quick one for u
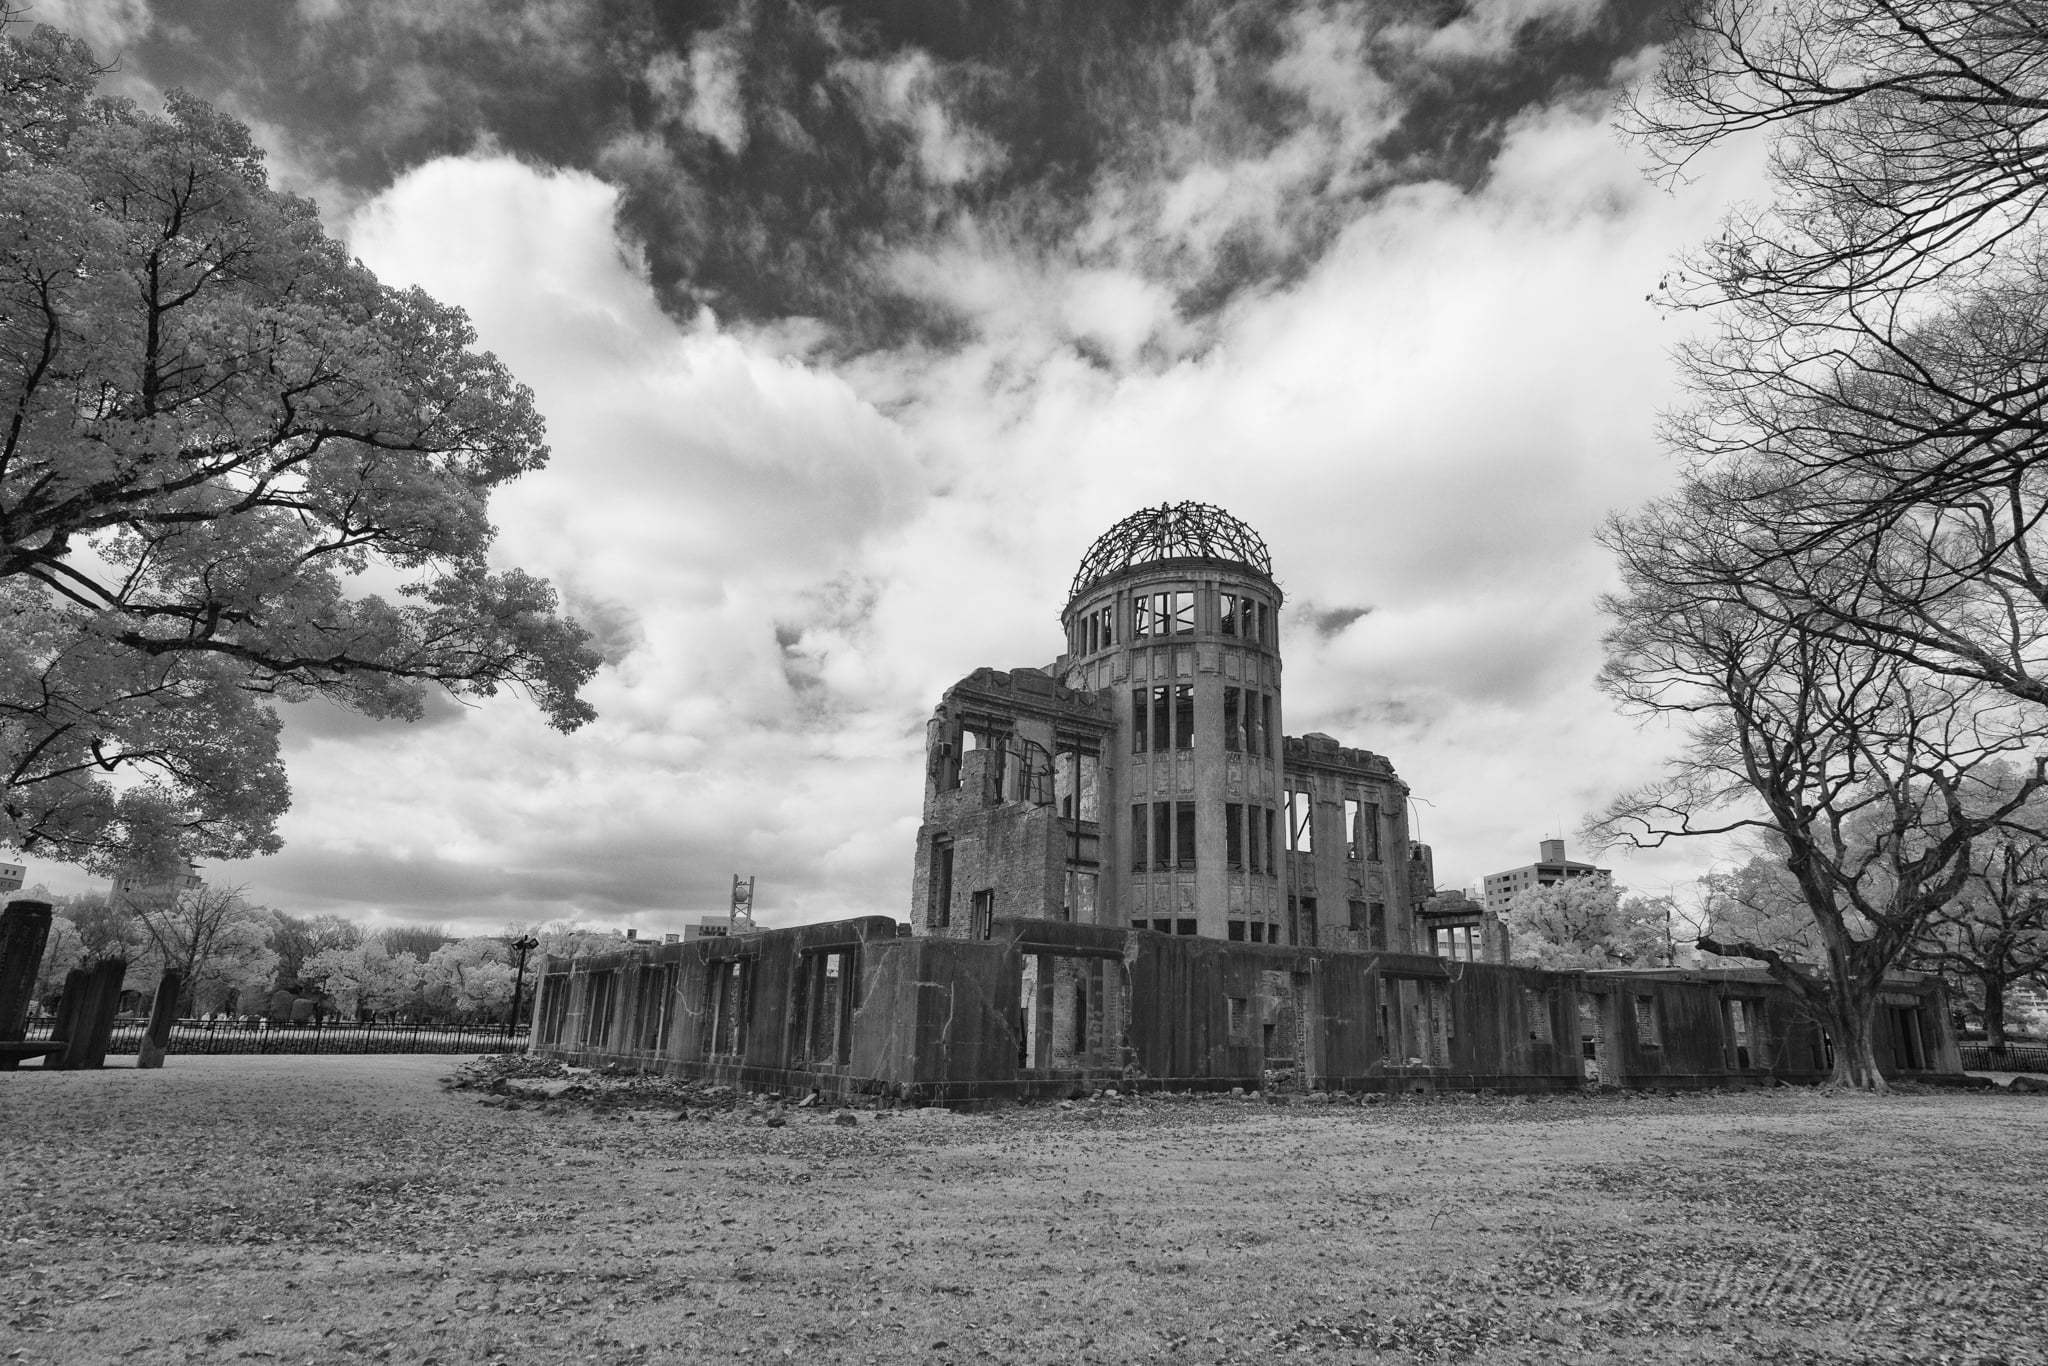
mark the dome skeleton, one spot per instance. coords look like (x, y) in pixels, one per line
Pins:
(1171, 531)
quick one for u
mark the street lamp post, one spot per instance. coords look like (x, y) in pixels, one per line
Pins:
(523, 945)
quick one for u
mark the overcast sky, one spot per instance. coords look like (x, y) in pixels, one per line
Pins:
(853, 327)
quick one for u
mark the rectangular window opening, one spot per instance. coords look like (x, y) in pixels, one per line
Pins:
(1081, 1016)
(1076, 784)
(1354, 829)
(1233, 724)
(1162, 835)
(942, 884)
(1301, 835)
(1233, 836)
(1183, 716)
(1184, 834)
(1187, 927)
(1080, 905)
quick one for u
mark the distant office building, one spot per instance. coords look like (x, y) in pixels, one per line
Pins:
(1550, 867)
(709, 927)
(11, 876)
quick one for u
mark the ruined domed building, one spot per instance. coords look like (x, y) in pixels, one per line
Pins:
(1128, 873)
(1144, 779)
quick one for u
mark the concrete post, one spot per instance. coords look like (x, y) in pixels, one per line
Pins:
(163, 1013)
(85, 1017)
(24, 930)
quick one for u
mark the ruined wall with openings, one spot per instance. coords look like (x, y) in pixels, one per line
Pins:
(1042, 1006)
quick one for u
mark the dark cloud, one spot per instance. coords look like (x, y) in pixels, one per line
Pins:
(1329, 623)
(777, 158)
(614, 626)
(319, 719)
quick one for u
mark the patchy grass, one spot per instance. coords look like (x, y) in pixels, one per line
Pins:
(352, 1210)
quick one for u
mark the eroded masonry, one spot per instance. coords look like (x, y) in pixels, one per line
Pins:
(1128, 872)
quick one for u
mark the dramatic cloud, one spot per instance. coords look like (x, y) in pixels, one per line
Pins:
(853, 332)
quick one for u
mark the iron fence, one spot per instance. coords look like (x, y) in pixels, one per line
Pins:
(1979, 1057)
(260, 1036)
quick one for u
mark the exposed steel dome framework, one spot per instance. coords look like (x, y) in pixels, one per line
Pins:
(1171, 531)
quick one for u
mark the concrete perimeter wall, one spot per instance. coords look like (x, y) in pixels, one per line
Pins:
(858, 1007)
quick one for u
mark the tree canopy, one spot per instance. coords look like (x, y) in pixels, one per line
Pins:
(1585, 922)
(219, 435)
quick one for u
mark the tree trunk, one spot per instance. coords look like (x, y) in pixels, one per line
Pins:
(1994, 1011)
(1855, 1025)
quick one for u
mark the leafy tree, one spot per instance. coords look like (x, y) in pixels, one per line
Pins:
(568, 938)
(470, 977)
(1583, 922)
(294, 939)
(213, 424)
(418, 941)
(366, 980)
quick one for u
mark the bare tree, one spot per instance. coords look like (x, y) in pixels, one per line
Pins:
(212, 938)
(1871, 770)
(1994, 933)
(1866, 419)
(1905, 137)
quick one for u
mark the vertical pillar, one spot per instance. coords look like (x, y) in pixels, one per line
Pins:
(85, 1017)
(24, 930)
(163, 1013)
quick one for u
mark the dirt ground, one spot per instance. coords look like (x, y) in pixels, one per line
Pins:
(332, 1209)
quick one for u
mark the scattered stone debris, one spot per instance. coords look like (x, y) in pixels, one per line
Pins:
(508, 1079)
(515, 1082)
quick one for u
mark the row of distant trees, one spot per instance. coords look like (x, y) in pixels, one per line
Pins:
(234, 956)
